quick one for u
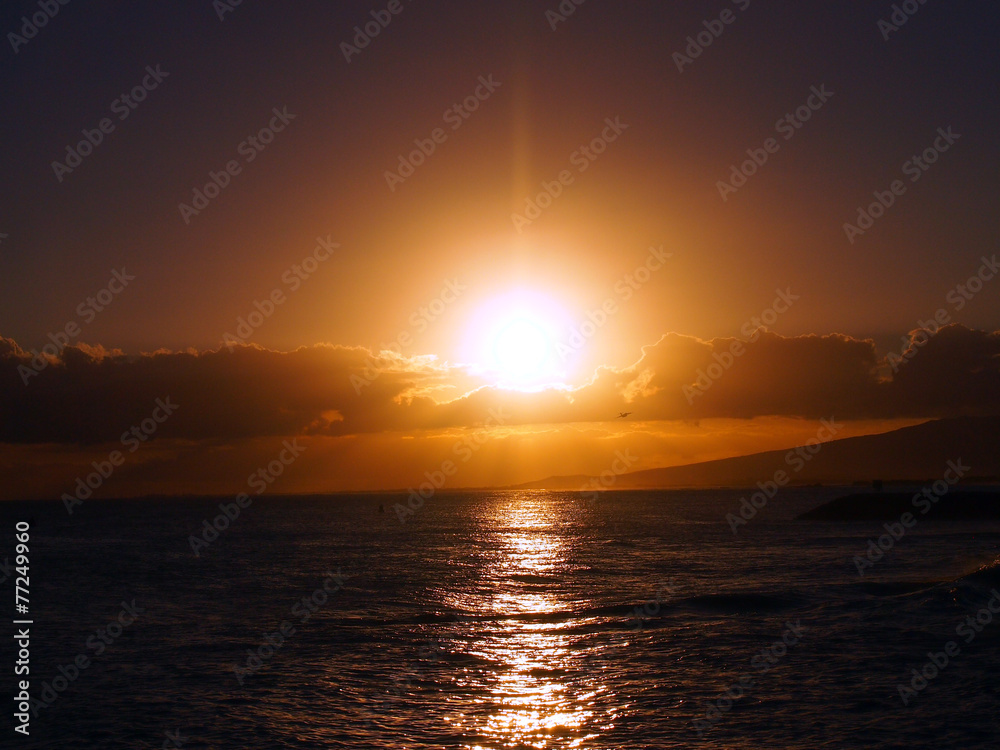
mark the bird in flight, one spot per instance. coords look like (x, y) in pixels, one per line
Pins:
(623, 414)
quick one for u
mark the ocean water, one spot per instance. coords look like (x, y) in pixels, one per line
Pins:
(502, 620)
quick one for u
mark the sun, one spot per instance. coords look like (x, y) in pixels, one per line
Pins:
(521, 349)
(515, 340)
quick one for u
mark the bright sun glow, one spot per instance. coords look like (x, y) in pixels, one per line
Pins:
(522, 348)
(515, 340)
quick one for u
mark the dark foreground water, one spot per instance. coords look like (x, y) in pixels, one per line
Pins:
(502, 620)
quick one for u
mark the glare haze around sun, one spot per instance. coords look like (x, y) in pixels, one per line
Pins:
(513, 339)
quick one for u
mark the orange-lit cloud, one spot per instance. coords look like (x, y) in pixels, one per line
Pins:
(91, 395)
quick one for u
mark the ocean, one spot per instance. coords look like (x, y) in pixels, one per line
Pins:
(510, 619)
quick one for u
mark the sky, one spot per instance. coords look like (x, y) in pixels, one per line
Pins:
(495, 226)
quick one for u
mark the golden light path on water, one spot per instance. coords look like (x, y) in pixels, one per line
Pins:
(542, 694)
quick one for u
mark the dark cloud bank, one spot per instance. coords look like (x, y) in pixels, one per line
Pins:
(89, 395)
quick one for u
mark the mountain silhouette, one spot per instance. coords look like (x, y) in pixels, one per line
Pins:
(913, 454)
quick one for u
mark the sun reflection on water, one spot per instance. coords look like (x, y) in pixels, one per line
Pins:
(536, 702)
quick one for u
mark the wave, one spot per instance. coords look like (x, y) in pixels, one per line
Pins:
(986, 576)
(625, 613)
(738, 603)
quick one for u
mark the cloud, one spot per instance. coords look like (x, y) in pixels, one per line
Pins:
(90, 395)
(955, 372)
